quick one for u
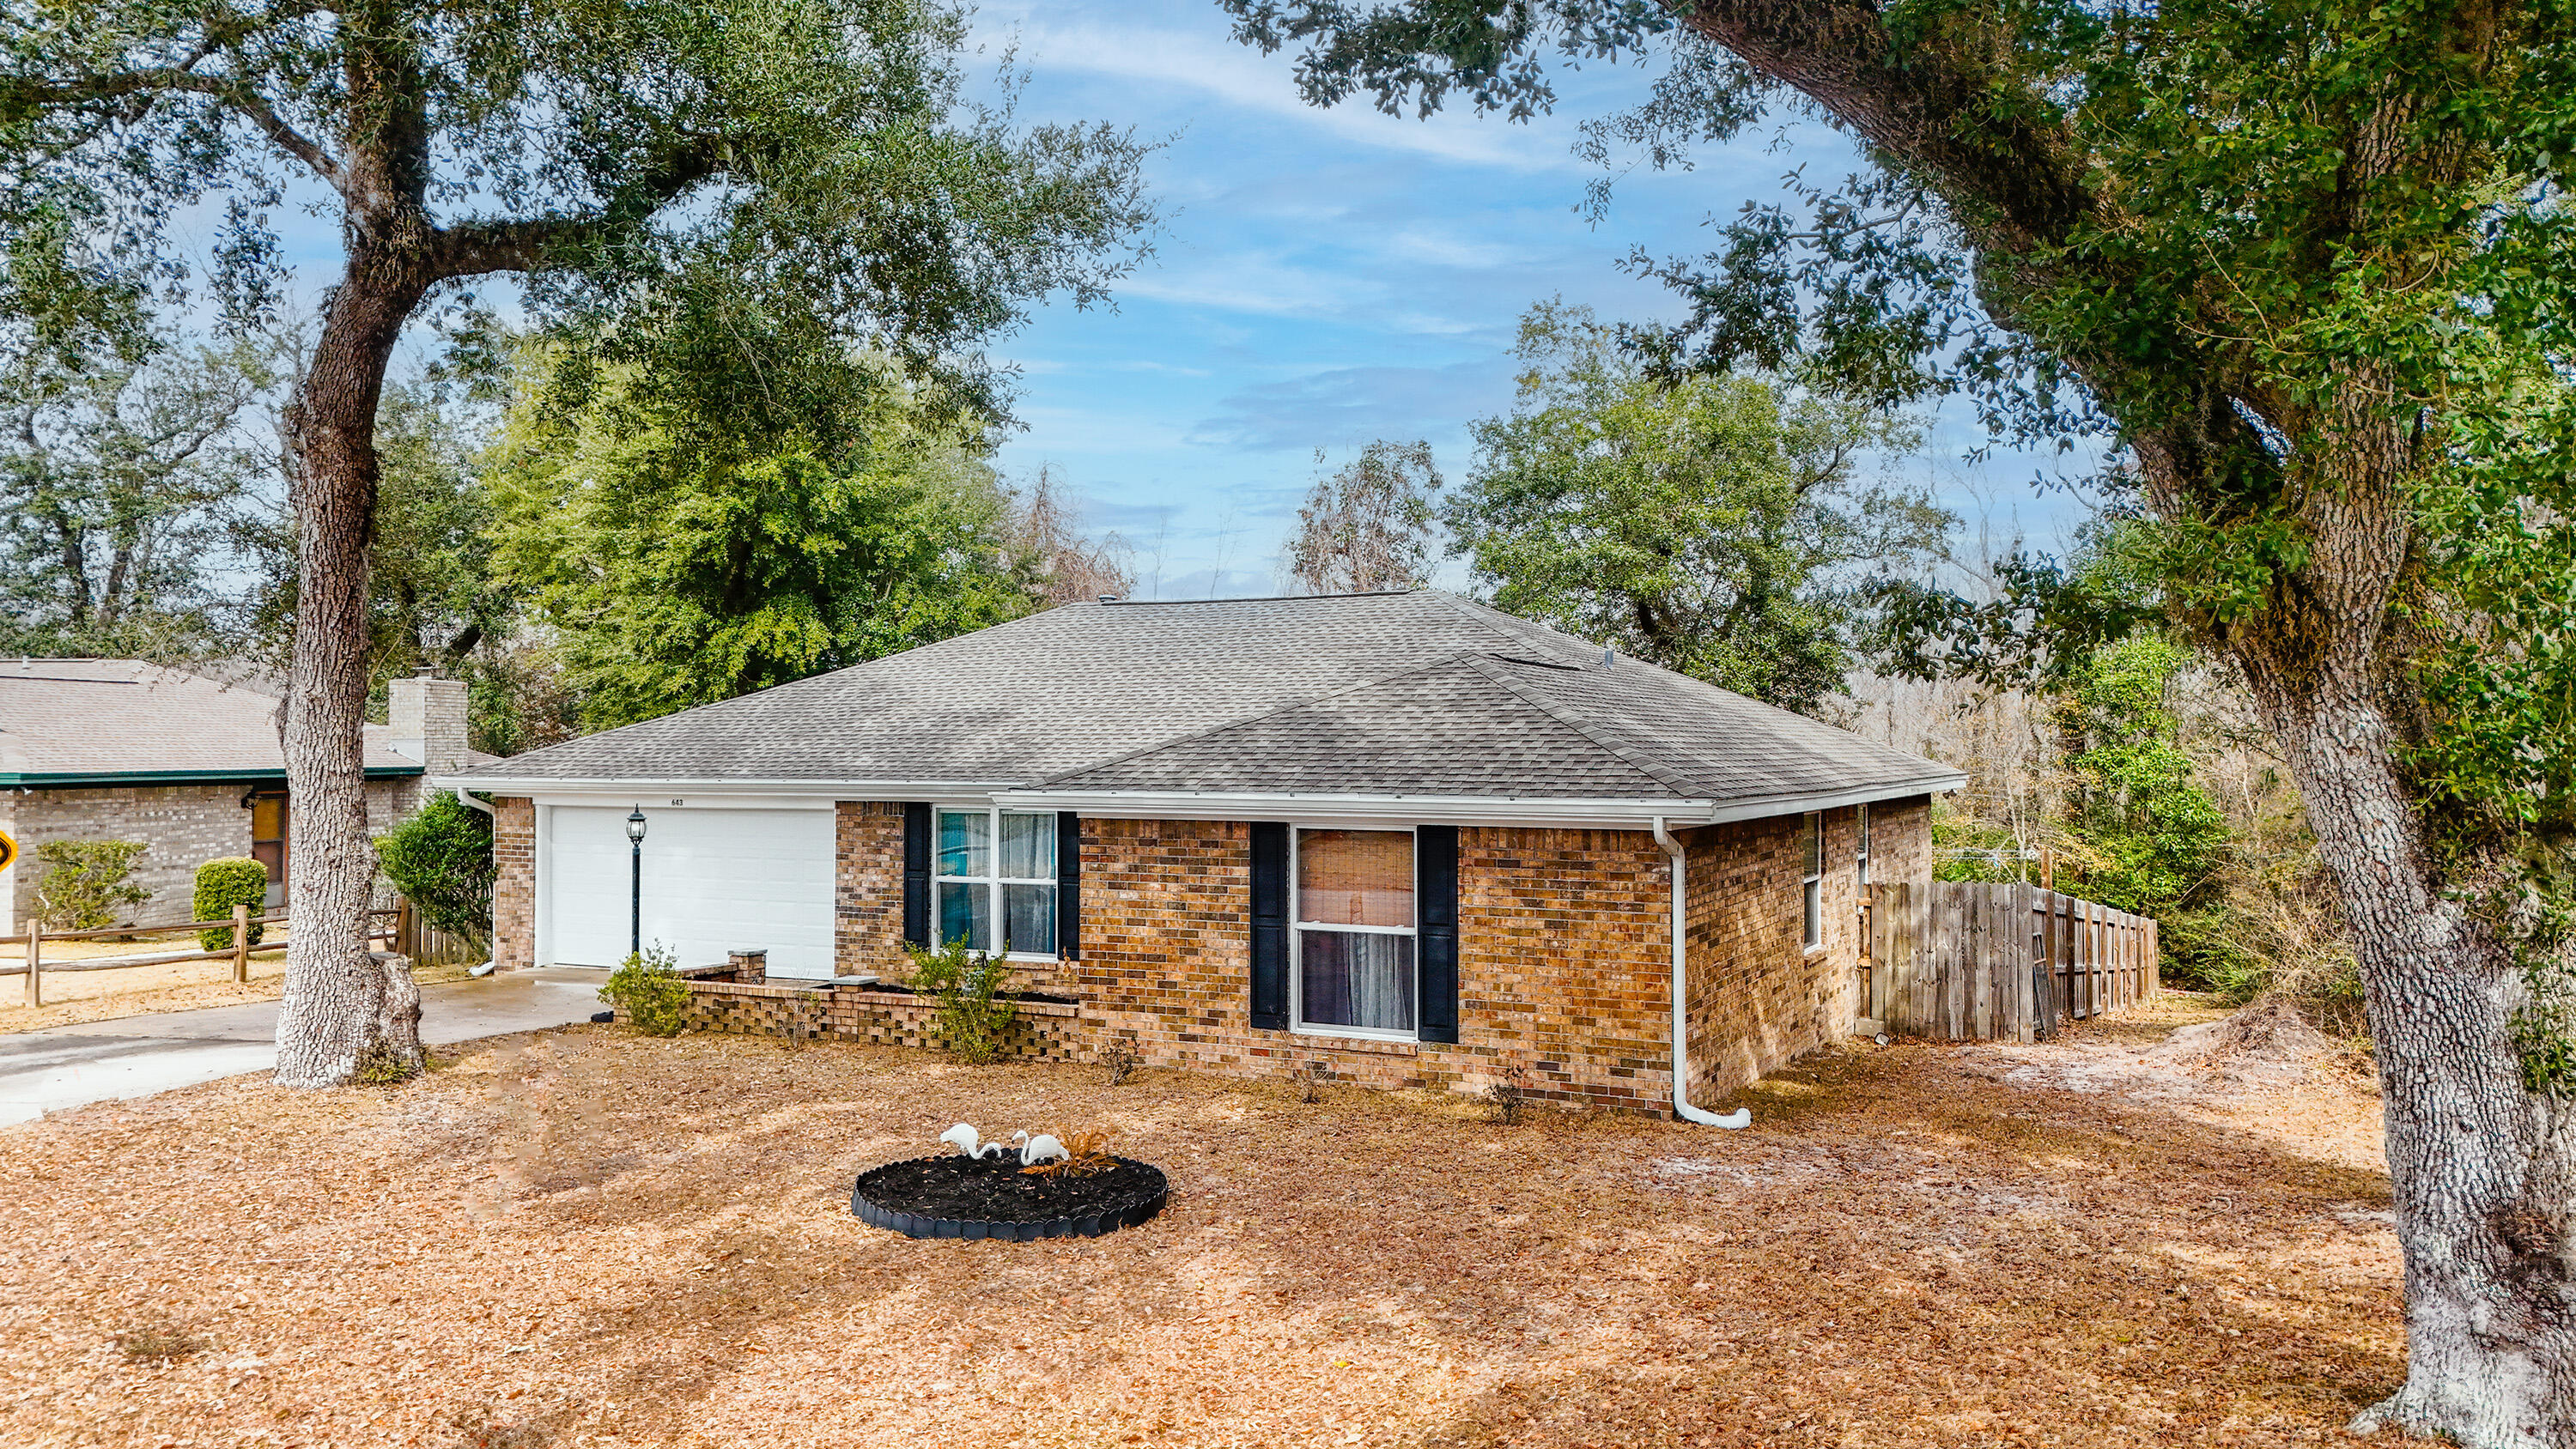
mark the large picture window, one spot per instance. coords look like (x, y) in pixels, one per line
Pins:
(1354, 932)
(997, 865)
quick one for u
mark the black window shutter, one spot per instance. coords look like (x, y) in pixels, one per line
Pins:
(1435, 902)
(916, 876)
(1068, 885)
(1269, 926)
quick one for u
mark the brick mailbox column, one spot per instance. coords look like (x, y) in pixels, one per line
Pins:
(750, 968)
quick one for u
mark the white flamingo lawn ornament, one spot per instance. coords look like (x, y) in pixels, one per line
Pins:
(963, 1134)
(1041, 1148)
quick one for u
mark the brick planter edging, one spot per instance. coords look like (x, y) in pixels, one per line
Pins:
(1039, 1030)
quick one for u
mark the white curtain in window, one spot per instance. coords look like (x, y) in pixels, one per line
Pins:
(1355, 978)
(1028, 847)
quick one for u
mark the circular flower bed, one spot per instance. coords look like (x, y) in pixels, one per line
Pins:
(969, 1197)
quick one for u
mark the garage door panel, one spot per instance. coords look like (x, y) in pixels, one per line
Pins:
(713, 881)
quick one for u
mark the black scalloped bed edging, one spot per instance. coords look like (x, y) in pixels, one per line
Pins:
(1109, 1219)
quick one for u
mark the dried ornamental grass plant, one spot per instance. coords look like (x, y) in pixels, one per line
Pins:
(1085, 1154)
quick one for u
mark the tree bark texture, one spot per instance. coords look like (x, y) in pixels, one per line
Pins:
(342, 1006)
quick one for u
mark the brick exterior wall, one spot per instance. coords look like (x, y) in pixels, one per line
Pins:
(1564, 964)
(514, 886)
(1758, 998)
(1039, 1030)
(867, 906)
(184, 825)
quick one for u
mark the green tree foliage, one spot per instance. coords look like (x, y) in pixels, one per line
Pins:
(1711, 524)
(2146, 835)
(679, 559)
(122, 461)
(223, 883)
(85, 885)
(440, 858)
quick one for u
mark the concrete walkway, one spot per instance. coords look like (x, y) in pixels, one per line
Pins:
(71, 1066)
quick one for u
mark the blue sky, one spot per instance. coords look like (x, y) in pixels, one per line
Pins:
(1325, 277)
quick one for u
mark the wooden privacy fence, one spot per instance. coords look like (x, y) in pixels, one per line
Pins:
(1984, 961)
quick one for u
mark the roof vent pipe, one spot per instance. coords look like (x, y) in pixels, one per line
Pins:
(1606, 656)
(1741, 1117)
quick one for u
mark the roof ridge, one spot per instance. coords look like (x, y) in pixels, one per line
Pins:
(1587, 727)
(1474, 612)
(1291, 707)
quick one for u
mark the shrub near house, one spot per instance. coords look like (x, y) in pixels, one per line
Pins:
(222, 884)
(84, 886)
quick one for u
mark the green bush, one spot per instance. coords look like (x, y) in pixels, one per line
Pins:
(85, 882)
(650, 991)
(223, 883)
(966, 1008)
(441, 860)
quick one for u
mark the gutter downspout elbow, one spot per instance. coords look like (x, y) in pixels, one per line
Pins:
(477, 804)
(1741, 1117)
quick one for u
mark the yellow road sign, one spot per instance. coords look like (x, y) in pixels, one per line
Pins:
(8, 850)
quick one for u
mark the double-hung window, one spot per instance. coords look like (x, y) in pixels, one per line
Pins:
(997, 865)
(1811, 888)
(1354, 932)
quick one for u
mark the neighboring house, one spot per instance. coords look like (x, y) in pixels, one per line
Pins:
(1402, 834)
(116, 749)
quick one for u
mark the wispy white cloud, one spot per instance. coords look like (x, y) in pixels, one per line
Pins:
(1244, 78)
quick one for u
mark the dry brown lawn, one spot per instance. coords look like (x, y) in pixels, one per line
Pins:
(583, 1238)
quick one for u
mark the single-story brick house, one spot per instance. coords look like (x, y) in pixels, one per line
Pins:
(1402, 834)
(117, 749)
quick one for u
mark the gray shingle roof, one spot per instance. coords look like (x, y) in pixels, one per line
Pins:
(123, 717)
(1419, 693)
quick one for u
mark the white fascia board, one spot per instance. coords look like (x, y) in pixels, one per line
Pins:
(1567, 813)
(648, 788)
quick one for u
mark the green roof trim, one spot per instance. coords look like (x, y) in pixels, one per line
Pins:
(43, 779)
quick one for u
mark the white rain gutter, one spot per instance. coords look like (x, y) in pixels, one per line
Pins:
(477, 804)
(1741, 1117)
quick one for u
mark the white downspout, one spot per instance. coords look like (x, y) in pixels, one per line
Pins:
(477, 804)
(1742, 1116)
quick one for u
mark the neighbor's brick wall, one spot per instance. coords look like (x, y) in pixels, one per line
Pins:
(184, 825)
(1758, 998)
(514, 887)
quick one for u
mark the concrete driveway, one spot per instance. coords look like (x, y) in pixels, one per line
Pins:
(70, 1066)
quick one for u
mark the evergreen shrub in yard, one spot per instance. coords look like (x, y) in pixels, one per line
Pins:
(223, 883)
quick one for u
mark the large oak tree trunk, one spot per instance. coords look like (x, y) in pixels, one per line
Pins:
(2482, 1169)
(343, 1006)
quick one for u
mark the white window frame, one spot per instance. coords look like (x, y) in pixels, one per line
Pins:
(1297, 929)
(1861, 823)
(1811, 883)
(994, 882)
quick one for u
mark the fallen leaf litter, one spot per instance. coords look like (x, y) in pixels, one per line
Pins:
(584, 1238)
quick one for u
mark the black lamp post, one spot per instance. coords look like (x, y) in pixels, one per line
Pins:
(635, 835)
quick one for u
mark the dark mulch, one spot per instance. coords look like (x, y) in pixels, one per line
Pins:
(995, 1190)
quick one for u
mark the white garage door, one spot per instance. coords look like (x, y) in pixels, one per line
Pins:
(714, 881)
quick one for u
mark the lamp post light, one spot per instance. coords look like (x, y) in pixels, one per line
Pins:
(635, 876)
